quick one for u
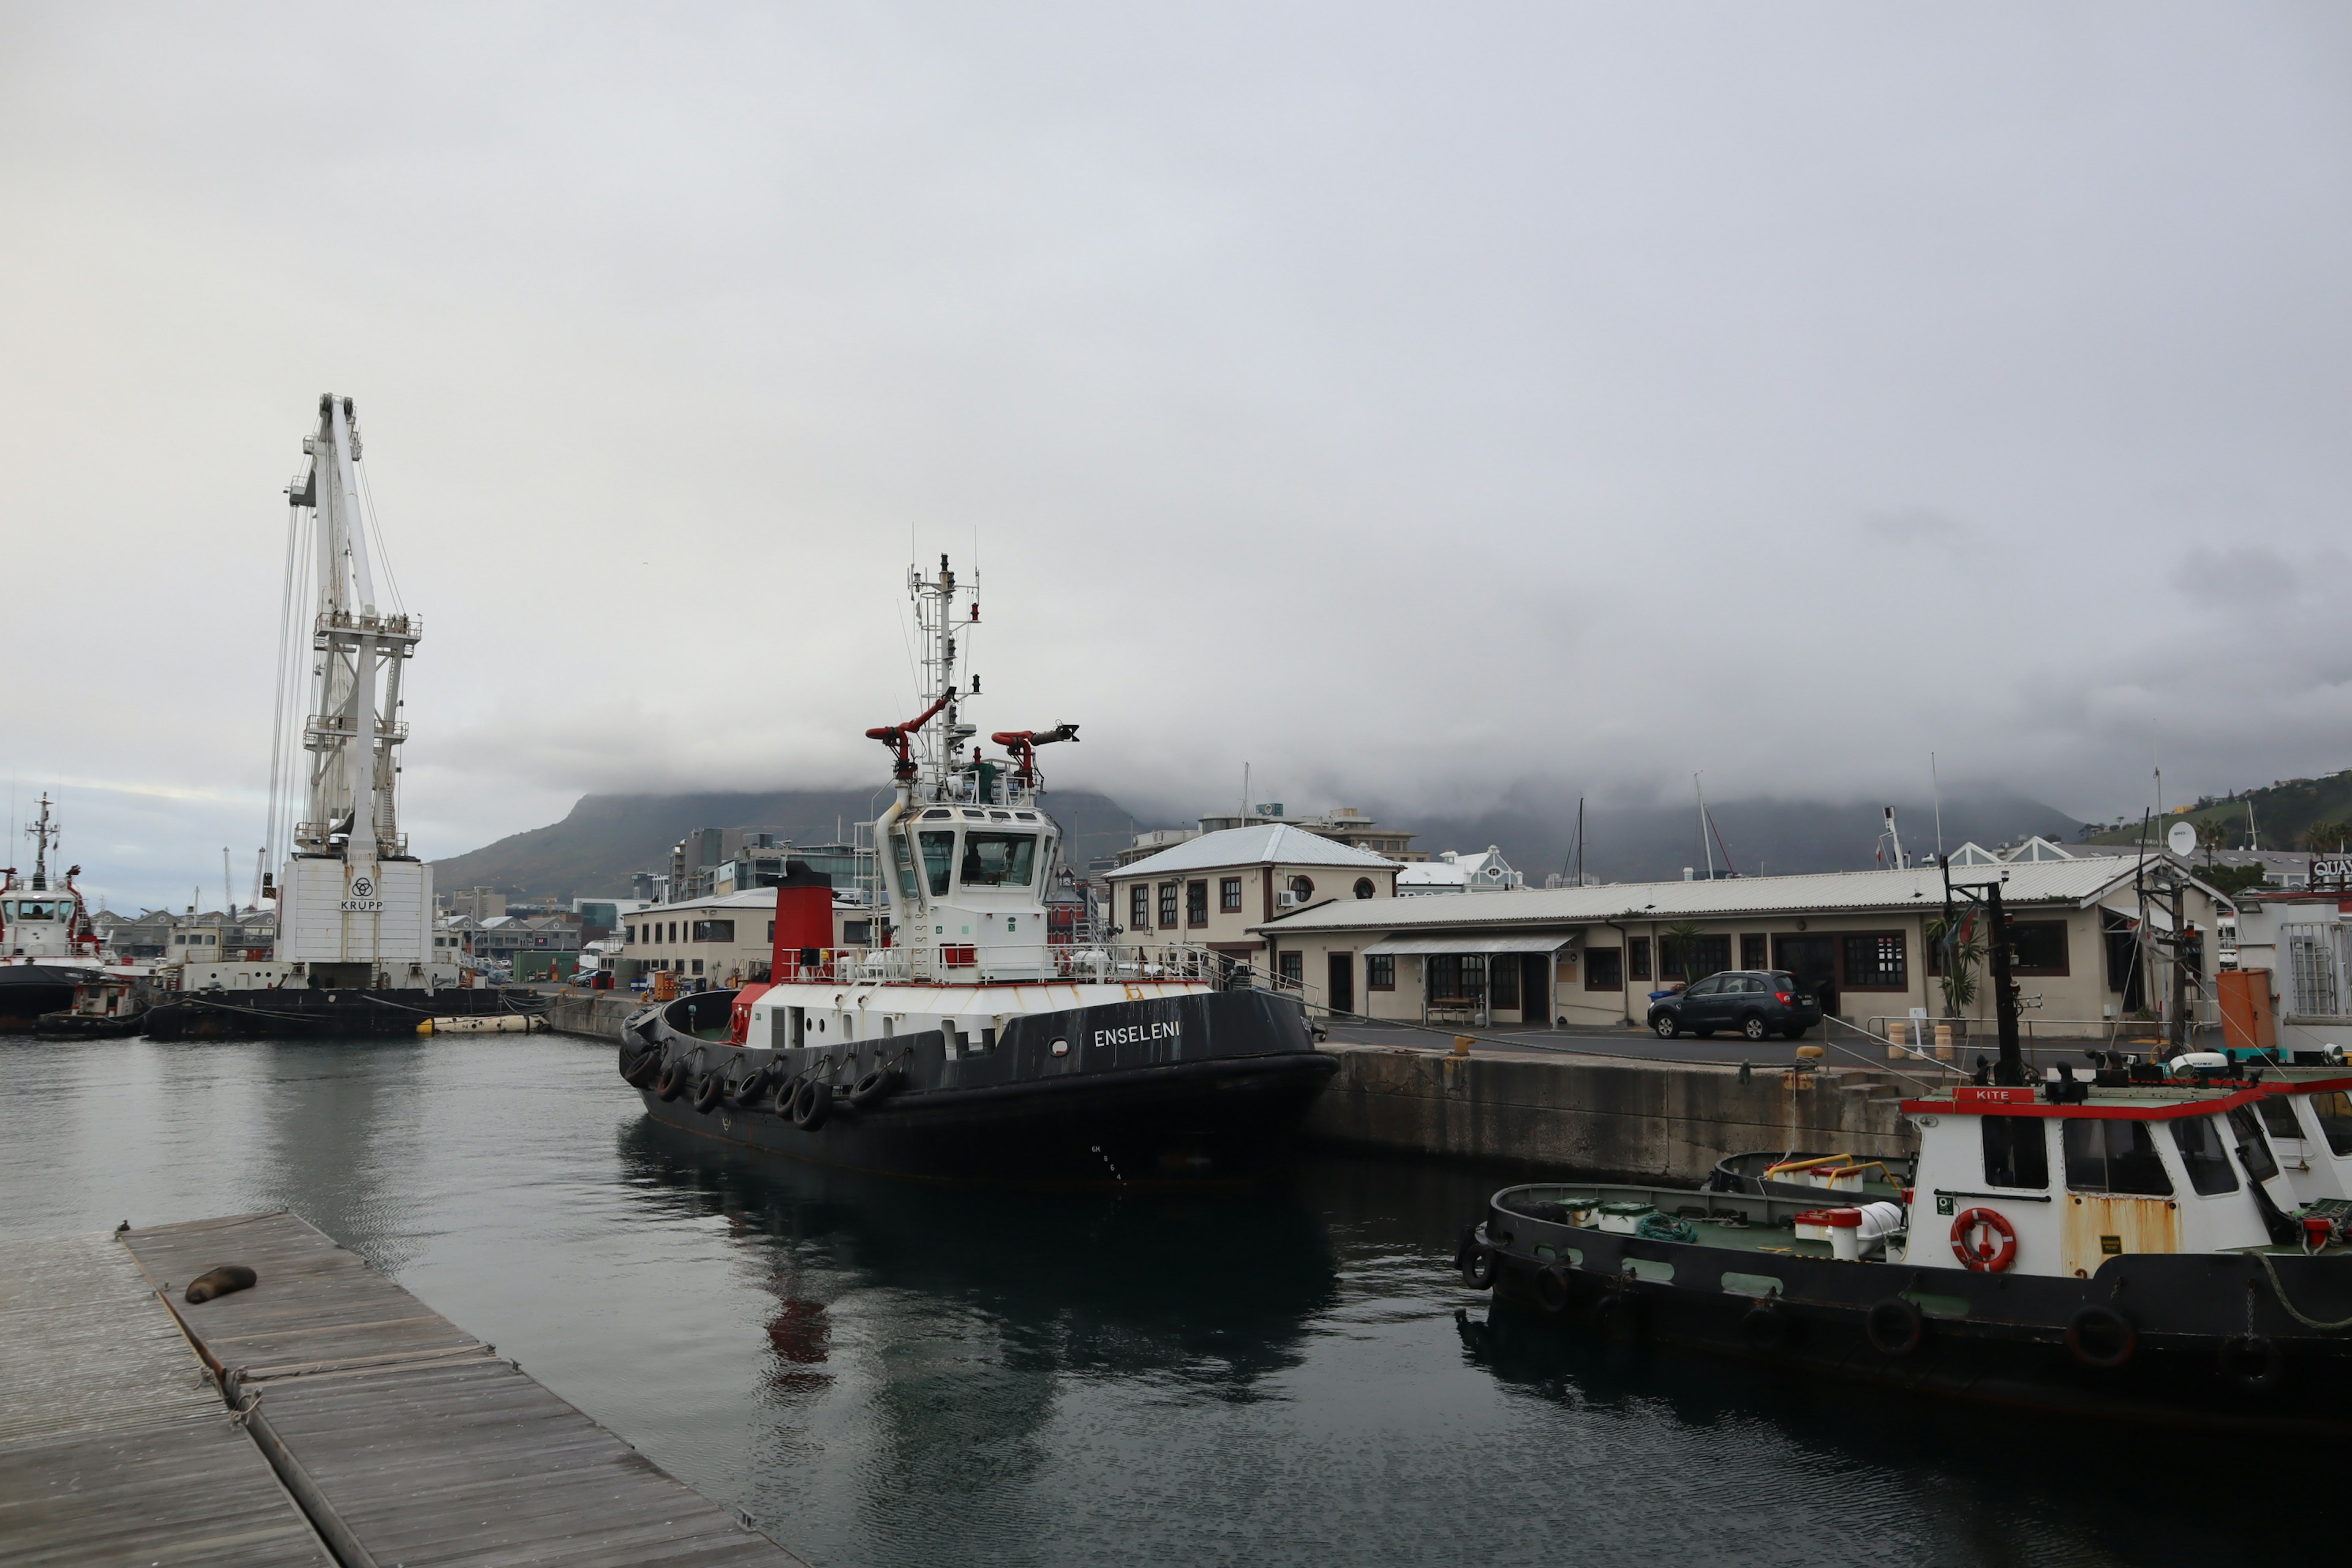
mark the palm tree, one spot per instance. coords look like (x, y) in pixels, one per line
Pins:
(2330, 837)
(1962, 949)
(2211, 836)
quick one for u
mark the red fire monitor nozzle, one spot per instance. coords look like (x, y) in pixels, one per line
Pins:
(899, 738)
(1023, 744)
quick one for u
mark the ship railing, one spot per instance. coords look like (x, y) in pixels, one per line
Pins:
(358, 623)
(961, 963)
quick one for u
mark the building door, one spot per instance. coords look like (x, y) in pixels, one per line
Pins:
(1341, 994)
(1813, 961)
(1535, 988)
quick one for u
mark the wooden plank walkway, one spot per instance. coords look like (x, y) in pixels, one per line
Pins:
(114, 1447)
(420, 1446)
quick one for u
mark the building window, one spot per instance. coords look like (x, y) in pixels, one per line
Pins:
(2037, 947)
(1873, 961)
(1302, 889)
(1637, 950)
(1754, 952)
(1196, 903)
(1139, 907)
(1364, 887)
(771, 934)
(1229, 895)
(714, 931)
(698, 966)
(1167, 905)
(1292, 967)
(1458, 976)
(1380, 972)
(1605, 969)
(1693, 958)
(673, 930)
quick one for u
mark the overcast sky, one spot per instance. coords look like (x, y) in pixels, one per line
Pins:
(1410, 402)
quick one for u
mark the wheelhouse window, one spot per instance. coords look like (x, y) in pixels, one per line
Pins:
(999, 859)
(1196, 903)
(1167, 904)
(905, 857)
(1380, 972)
(1605, 969)
(2037, 947)
(2111, 1155)
(1229, 895)
(1637, 956)
(713, 931)
(1138, 905)
(2253, 1148)
(2278, 1116)
(939, 859)
(2016, 1153)
(1874, 962)
(2203, 1156)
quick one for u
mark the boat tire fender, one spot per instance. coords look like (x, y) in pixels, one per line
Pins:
(786, 1092)
(1551, 1288)
(1765, 1329)
(751, 1086)
(1895, 1327)
(2101, 1337)
(672, 1082)
(874, 1087)
(2252, 1362)
(642, 1069)
(707, 1089)
(1483, 1267)
(1968, 1244)
(812, 1105)
(1618, 1316)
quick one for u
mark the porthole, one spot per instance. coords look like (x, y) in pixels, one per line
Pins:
(1302, 889)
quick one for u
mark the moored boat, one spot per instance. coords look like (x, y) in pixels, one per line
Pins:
(50, 954)
(973, 1043)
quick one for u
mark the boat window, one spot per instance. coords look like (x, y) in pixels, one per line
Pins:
(2200, 1151)
(2333, 1109)
(937, 811)
(33, 910)
(2016, 1152)
(905, 858)
(999, 859)
(2278, 1116)
(939, 858)
(2111, 1155)
(2253, 1148)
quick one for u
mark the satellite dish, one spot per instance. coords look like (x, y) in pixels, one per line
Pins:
(2182, 839)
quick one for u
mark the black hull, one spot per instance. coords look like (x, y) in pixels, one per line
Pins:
(2210, 1341)
(87, 1025)
(29, 990)
(320, 1015)
(1218, 1104)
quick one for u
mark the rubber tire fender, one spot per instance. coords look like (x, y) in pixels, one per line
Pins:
(751, 1086)
(1764, 1328)
(875, 1085)
(812, 1105)
(2094, 1325)
(1483, 1267)
(707, 1089)
(1552, 1292)
(1895, 1327)
(2253, 1362)
(643, 1070)
(672, 1082)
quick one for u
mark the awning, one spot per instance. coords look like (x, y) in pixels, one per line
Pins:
(1403, 946)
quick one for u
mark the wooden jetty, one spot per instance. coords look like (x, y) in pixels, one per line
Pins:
(114, 1446)
(402, 1439)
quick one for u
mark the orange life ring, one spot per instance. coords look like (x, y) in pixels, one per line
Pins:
(1976, 1253)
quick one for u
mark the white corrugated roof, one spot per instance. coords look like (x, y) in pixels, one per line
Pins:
(2078, 881)
(1267, 844)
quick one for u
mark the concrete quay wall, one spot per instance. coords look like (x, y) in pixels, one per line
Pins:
(1539, 1112)
(1600, 1117)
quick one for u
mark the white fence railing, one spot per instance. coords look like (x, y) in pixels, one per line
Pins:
(954, 963)
(2317, 958)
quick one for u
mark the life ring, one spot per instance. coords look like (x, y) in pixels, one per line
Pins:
(1895, 1327)
(2101, 1337)
(2252, 1362)
(812, 1105)
(672, 1082)
(1973, 1252)
(1551, 1288)
(1479, 1272)
(707, 1090)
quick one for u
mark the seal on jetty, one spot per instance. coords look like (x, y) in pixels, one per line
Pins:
(219, 1281)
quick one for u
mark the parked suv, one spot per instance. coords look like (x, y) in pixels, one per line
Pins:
(1758, 1002)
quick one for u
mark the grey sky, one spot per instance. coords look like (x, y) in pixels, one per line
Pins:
(1408, 402)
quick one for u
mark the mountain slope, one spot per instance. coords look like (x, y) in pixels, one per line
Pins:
(2282, 814)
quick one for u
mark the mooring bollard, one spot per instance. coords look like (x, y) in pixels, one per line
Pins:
(1462, 1044)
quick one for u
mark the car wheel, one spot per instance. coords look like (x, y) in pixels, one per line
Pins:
(1667, 1025)
(1754, 1026)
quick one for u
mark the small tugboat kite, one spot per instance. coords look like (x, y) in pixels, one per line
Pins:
(969, 1044)
(2128, 1242)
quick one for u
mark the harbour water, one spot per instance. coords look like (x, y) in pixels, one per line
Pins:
(886, 1373)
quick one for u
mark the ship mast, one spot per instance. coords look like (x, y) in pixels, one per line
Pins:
(941, 749)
